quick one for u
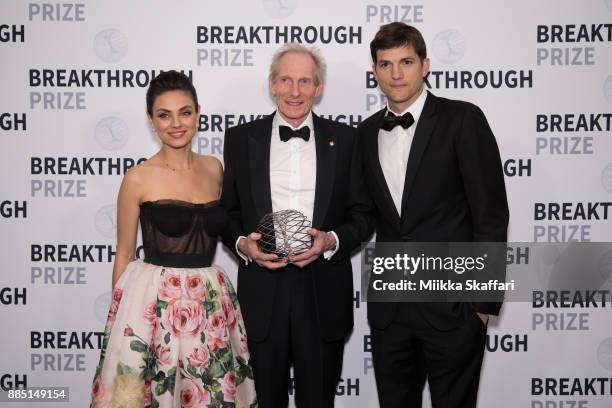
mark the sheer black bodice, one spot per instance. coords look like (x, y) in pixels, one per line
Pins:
(180, 234)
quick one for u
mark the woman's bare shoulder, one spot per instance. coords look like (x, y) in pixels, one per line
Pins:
(211, 164)
(139, 175)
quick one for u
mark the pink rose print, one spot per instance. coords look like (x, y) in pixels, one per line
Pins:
(183, 317)
(150, 313)
(221, 279)
(228, 386)
(193, 395)
(195, 288)
(217, 331)
(117, 294)
(164, 355)
(154, 333)
(244, 347)
(98, 394)
(238, 315)
(170, 287)
(112, 312)
(148, 393)
(199, 356)
(150, 316)
(127, 332)
(228, 309)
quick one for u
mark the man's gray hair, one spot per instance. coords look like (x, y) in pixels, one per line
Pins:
(320, 67)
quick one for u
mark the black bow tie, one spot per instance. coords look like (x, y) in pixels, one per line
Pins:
(287, 133)
(390, 121)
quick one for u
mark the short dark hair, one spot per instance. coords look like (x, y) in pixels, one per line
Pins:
(397, 34)
(169, 81)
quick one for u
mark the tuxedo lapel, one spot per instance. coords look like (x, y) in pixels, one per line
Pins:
(258, 144)
(326, 169)
(420, 141)
(371, 145)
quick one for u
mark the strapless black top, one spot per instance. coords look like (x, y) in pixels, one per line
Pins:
(181, 234)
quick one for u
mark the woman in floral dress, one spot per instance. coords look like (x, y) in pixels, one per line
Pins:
(174, 335)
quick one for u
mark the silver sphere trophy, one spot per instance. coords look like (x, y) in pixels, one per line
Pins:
(284, 233)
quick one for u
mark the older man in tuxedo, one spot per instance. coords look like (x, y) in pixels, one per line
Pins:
(434, 171)
(297, 313)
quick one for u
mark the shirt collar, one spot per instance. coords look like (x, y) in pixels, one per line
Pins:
(415, 109)
(280, 121)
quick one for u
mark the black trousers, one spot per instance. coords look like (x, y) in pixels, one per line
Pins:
(295, 339)
(409, 351)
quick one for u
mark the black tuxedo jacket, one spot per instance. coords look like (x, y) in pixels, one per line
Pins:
(341, 204)
(454, 192)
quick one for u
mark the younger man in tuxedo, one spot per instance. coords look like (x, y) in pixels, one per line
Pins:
(434, 171)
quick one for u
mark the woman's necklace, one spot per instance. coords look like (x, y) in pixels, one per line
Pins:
(169, 167)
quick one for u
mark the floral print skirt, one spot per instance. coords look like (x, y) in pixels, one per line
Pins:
(174, 337)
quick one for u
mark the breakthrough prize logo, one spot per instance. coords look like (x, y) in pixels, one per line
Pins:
(110, 45)
(604, 353)
(106, 221)
(449, 46)
(111, 133)
(279, 8)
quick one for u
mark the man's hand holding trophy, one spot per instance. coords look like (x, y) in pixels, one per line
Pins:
(284, 237)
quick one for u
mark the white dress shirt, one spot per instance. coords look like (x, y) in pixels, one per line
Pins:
(394, 150)
(293, 169)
